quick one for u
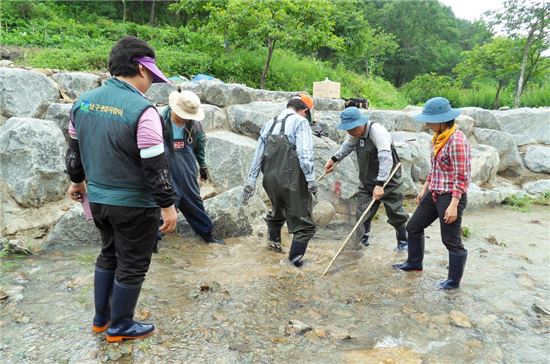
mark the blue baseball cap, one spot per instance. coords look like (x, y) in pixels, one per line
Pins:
(351, 118)
(437, 110)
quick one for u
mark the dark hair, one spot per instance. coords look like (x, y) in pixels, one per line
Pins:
(449, 123)
(121, 59)
(296, 104)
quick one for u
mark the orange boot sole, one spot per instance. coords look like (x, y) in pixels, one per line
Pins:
(98, 329)
(116, 339)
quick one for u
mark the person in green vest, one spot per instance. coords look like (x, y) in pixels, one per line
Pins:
(185, 143)
(376, 157)
(116, 158)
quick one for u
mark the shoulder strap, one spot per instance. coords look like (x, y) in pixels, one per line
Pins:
(272, 126)
(369, 126)
(282, 132)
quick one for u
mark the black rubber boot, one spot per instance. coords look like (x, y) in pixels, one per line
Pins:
(211, 240)
(416, 255)
(365, 238)
(103, 288)
(401, 235)
(457, 261)
(297, 251)
(274, 242)
(123, 305)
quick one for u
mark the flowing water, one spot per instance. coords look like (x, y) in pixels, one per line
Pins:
(233, 303)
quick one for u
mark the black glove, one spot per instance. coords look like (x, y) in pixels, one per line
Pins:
(203, 171)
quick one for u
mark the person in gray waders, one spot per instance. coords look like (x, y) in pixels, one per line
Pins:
(285, 156)
(377, 158)
(184, 142)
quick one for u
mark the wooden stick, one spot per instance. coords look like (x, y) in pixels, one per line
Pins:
(325, 173)
(360, 220)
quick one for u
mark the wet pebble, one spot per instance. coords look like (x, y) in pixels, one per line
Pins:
(541, 307)
(460, 319)
(21, 318)
(296, 327)
(383, 355)
(3, 295)
(113, 353)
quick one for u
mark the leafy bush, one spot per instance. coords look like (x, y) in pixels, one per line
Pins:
(536, 96)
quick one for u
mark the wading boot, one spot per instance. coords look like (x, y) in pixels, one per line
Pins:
(123, 326)
(274, 242)
(211, 240)
(415, 257)
(457, 261)
(103, 288)
(401, 235)
(297, 251)
(365, 238)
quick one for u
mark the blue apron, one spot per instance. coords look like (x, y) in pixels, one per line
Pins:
(183, 168)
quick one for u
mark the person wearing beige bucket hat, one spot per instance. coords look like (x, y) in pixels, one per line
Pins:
(185, 143)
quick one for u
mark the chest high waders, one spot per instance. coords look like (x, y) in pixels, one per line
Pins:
(183, 168)
(286, 186)
(367, 158)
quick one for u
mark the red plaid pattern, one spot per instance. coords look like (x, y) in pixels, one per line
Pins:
(451, 167)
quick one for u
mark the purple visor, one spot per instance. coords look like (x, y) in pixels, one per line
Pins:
(149, 63)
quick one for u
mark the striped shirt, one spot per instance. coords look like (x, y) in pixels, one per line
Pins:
(451, 168)
(299, 134)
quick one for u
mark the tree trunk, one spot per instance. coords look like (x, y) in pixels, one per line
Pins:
(519, 89)
(124, 11)
(152, 17)
(270, 48)
(496, 104)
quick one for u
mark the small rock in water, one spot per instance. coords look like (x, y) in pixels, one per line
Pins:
(126, 348)
(3, 295)
(322, 333)
(540, 307)
(21, 318)
(393, 355)
(296, 327)
(114, 353)
(143, 314)
(210, 287)
(460, 319)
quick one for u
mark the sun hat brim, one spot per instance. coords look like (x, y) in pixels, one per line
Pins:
(199, 116)
(149, 63)
(438, 118)
(348, 126)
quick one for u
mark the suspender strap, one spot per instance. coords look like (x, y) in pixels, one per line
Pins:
(283, 123)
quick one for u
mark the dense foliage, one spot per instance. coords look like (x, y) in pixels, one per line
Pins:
(387, 51)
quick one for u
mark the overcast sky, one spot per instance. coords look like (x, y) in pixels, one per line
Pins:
(472, 9)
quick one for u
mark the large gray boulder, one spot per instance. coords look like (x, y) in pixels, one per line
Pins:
(510, 160)
(73, 229)
(195, 87)
(327, 121)
(465, 124)
(230, 217)
(537, 158)
(229, 156)
(25, 93)
(32, 160)
(158, 92)
(271, 96)
(326, 104)
(537, 188)
(214, 118)
(225, 94)
(76, 83)
(344, 180)
(390, 119)
(527, 123)
(414, 153)
(489, 197)
(485, 162)
(250, 118)
(482, 118)
(60, 113)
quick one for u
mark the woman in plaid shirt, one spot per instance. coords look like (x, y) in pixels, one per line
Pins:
(443, 195)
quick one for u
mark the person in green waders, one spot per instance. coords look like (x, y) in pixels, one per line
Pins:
(116, 157)
(377, 158)
(184, 145)
(285, 156)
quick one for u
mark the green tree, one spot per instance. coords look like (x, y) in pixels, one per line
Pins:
(496, 61)
(526, 19)
(364, 49)
(255, 24)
